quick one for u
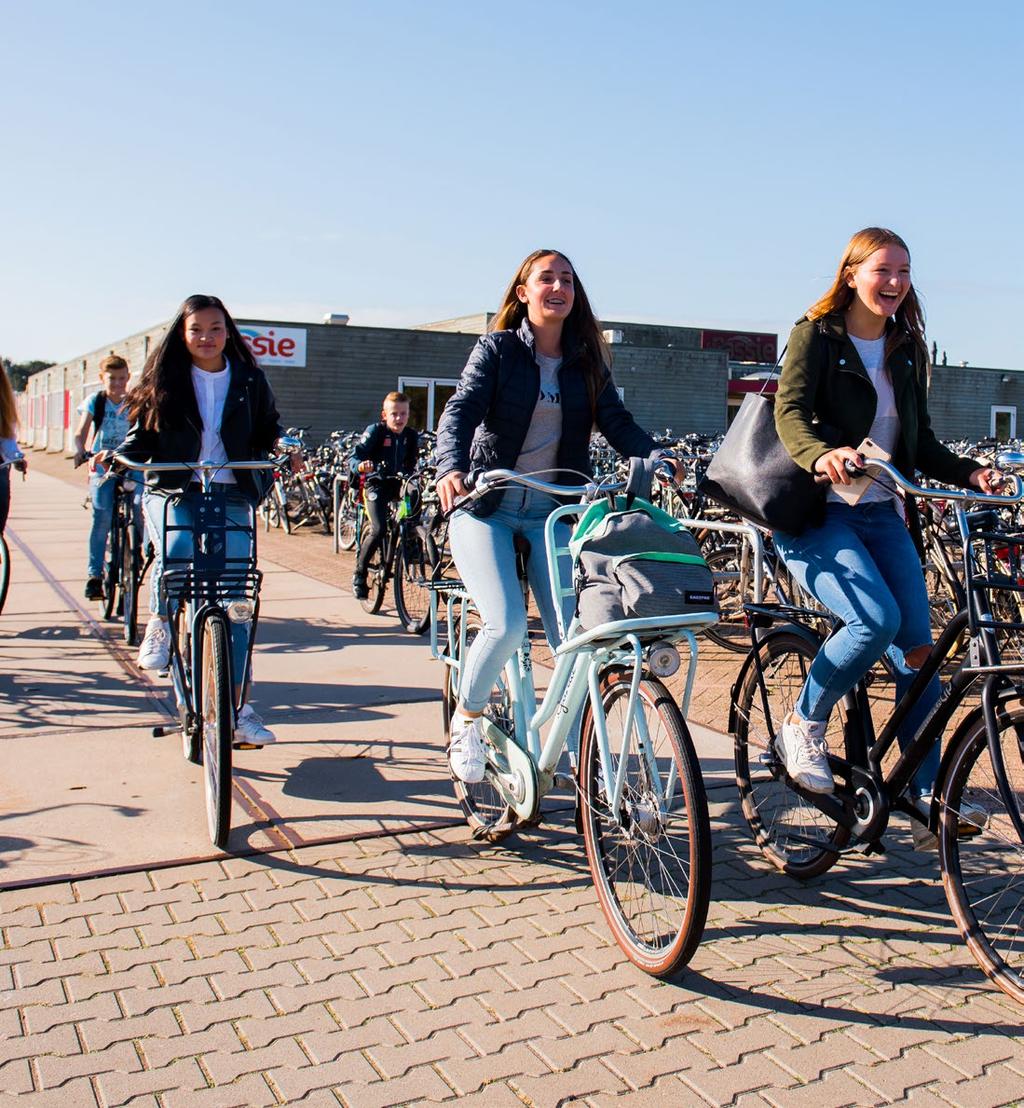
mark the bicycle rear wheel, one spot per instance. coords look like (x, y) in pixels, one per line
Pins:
(218, 727)
(5, 570)
(791, 833)
(651, 858)
(345, 523)
(414, 566)
(983, 873)
(487, 814)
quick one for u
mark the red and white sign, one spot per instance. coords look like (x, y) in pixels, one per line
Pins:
(276, 345)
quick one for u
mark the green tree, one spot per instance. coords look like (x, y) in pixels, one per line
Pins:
(20, 372)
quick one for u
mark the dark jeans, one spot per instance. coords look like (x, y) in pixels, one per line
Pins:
(378, 493)
(5, 497)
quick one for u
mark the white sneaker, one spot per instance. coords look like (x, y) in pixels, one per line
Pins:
(251, 729)
(155, 650)
(802, 747)
(467, 753)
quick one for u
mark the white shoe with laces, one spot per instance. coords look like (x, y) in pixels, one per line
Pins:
(251, 729)
(468, 751)
(155, 649)
(804, 752)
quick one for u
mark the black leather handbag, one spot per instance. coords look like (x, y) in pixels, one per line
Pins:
(753, 474)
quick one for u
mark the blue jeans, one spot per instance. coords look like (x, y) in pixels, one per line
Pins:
(862, 565)
(102, 494)
(180, 512)
(485, 557)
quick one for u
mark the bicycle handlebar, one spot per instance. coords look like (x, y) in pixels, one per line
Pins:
(195, 467)
(923, 493)
(480, 483)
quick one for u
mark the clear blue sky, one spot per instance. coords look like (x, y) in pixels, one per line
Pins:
(702, 163)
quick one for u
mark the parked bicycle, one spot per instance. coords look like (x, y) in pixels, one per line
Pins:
(5, 553)
(206, 592)
(642, 807)
(977, 809)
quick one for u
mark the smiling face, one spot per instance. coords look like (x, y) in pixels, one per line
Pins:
(115, 382)
(880, 283)
(206, 334)
(548, 291)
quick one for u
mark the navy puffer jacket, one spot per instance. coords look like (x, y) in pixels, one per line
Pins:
(484, 425)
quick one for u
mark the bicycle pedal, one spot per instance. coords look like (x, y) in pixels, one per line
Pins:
(243, 745)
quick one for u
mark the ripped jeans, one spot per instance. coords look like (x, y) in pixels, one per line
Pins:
(861, 564)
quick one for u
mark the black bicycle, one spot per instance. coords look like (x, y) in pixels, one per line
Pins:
(407, 555)
(977, 811)
(129, 556)
(204, 594)
(5, 553)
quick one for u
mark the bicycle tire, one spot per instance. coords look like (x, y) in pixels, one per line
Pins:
(652, 865)
(414, 564)
(5, 570)
(345, 524)
(218, 727)
(730, 632)
(980, 870)
(376, 584)
(281, 502)
(130, 565)
(774, 813)
(485, 809)
(191, 731)
(112, 571)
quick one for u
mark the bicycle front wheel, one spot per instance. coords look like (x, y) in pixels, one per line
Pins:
(5, 570)
(111, 572)
(983, 872)
(791, 833)
(376, 584)
(218, 727)
(414, 566)
(130, 567)
(650, 857)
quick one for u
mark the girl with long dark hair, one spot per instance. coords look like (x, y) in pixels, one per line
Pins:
(858, 363)
(201, 397)
(533, 389)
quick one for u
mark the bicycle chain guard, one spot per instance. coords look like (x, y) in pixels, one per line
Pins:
(512, 772)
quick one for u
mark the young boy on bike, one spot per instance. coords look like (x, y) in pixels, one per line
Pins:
(388, 450)
(105, 413)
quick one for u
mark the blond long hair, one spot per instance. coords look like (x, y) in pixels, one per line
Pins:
(581, 326)
(8, 408)
(909, 315)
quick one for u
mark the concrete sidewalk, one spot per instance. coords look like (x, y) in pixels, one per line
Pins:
(412, 967)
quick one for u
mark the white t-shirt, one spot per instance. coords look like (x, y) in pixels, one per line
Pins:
(211, 391)
(540, 447)
(885, 429)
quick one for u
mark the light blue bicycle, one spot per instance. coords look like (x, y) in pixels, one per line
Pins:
(640, 798)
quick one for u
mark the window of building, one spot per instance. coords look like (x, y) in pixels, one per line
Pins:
(1004, 423)
(427, 398)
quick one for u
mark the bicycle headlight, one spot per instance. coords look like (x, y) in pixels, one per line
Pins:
(662, 659)
(240, 611)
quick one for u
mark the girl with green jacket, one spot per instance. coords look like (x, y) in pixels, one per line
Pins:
(858, 363)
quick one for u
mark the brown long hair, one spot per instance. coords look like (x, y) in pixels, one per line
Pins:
(910, 314)
(8, 408)
(168, 369)
(581, 326)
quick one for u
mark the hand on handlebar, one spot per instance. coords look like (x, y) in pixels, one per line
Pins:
(987, 479)
(450, 489)
(832, 466)
(365, 467)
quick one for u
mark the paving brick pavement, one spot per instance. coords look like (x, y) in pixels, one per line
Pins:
(426, 968)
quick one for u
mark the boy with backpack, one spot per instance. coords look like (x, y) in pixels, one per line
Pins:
(105, 414)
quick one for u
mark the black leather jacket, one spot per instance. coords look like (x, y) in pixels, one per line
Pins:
(484, 425)
(249, 428)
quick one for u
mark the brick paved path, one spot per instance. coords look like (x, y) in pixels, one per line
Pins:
(426, 968)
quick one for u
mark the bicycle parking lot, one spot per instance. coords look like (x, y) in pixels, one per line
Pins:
(399, 962)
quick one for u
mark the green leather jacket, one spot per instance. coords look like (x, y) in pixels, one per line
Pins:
(824, 380)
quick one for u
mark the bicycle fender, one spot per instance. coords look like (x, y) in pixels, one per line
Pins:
(748, 662)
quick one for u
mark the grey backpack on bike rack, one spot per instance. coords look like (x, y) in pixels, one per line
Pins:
(635, 561)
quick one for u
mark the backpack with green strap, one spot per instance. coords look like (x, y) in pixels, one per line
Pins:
(634, 561)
